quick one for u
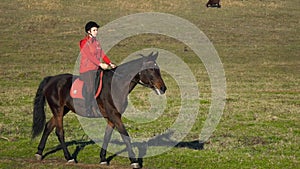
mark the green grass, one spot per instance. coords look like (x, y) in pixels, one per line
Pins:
(257, 41)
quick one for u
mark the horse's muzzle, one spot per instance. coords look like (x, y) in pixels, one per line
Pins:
(161, 90)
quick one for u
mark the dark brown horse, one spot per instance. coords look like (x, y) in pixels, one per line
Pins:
(112, 102)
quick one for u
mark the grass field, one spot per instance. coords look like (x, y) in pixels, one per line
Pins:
(258, 42)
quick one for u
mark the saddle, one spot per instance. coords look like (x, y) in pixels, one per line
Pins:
(77, 92)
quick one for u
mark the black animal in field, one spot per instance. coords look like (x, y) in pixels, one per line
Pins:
(213, 3)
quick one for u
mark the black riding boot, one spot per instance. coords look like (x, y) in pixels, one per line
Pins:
(88, 105)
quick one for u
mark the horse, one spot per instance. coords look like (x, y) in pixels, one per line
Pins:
(213, 3)
(112, 102)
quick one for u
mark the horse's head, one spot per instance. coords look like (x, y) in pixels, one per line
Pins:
(150, 75)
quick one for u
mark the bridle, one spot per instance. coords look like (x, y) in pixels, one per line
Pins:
(142, 83)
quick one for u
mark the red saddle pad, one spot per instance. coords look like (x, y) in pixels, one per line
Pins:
(77, 87)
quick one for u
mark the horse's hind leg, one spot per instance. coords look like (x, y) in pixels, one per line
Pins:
(60, 134)
(48, 129)
(58, 111)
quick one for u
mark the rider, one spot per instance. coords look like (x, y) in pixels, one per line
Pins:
(92, 57)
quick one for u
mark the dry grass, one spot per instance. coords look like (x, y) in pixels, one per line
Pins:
(258, 43)
(41, 4)
(271, 5)
(146, 6)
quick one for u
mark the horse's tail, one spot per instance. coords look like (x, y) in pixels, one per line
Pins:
(39, 115)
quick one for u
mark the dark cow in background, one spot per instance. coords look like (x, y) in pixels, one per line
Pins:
(213, 3)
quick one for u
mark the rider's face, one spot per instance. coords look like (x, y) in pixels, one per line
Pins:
(94, 31)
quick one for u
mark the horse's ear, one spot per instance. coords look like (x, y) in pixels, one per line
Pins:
(141, 55)
(150, 55)
(153, 56)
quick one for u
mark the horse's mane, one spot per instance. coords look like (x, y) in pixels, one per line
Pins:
(135, 65)
(130, 66)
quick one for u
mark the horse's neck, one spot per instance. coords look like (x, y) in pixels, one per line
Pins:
(133, 83)
(122, 81)
(120, 87)
(126, 75)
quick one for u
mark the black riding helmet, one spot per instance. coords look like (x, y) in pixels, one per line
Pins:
(89, 25)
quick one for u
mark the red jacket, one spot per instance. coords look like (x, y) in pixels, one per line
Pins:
(91, 55)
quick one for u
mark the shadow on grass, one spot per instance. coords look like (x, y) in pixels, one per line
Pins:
(79, 146)
(161, 140)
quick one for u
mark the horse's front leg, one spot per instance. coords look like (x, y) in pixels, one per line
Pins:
(125, 136)
(108, 131)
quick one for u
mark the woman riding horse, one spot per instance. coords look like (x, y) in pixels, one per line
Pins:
(112, 102)
(92, 57)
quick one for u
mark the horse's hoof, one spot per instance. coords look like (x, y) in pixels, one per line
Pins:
(135, 165)
(71, 161)
(103, 163)
(38, 157)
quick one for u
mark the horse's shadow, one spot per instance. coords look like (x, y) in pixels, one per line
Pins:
(161, 140)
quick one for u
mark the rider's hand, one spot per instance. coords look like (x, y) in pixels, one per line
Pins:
(104, 66)
(112, 65)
